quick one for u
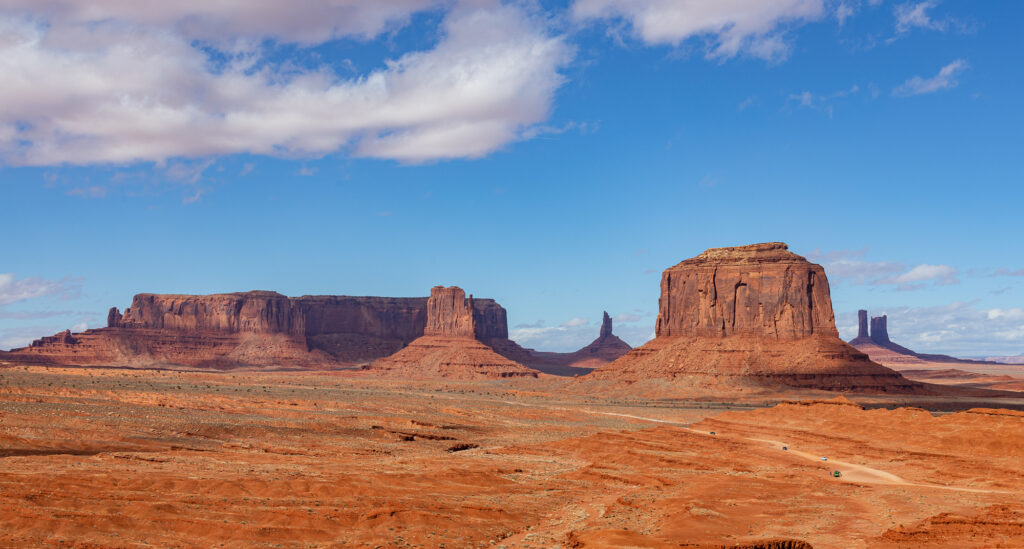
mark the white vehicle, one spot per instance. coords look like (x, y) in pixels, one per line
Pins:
(823, 458)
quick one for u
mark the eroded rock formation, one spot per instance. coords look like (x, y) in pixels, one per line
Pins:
(750, 316)
(451, 346)
(263, 329)
(606, 348)
(880, 329)
(881, 349)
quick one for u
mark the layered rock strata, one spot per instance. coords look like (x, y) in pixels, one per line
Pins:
(451, 346)
(750, 316)
(263, 329)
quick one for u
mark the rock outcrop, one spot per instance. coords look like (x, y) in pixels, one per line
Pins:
(862, 324)
(452, 346)
(750, 316)
(606, 348)
(261, 329)
(880, 329)
(882, 350)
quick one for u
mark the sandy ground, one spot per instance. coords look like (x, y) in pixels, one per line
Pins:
(120, 458)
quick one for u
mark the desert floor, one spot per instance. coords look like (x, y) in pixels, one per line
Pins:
(123, 458)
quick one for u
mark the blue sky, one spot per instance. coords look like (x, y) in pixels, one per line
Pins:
(556, 156)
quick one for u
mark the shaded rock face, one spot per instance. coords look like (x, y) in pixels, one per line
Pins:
(606, 326)
(453, 344)
(762, 290)
(752, 316)
(880, 329)
(113, 318)
(264, 329)
(862, 324)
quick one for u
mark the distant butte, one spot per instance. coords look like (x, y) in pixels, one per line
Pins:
(606, 348)
(882, 350)
(450, 347)
(749, 316)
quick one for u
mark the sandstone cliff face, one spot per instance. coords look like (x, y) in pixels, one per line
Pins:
(449, 313)
(244, 312)
(750, 316)
(451, 346)
(761, 289)
(223, 330)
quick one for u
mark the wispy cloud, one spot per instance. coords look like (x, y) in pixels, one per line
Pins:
(945, 79)
(915, 15)
(752, 27)
(850, 266)
(822, 102)
(13, 290)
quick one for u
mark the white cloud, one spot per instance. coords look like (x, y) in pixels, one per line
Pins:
(945, 79)
(822, 101)
(575, 322)
(843, 12)
(940, 274)
(754, 27)
(909, 16)
(13, 290)
(960, 328)
(849, 265)
(303, 21)
(145, 92)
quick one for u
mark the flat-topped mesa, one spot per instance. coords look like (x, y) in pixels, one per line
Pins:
(761, 289)
(264, 329)
(862, 324)
(750, 316)
(880, 330)
(252, 312)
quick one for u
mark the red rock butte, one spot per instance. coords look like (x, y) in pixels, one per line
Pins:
(751, 315)
(450, 347)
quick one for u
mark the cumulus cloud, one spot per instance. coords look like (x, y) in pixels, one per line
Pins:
(730, 27)
(303, 21)
(13, 290)
(945, 79)
(127, 88)
(575, 322)
(960, 329)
